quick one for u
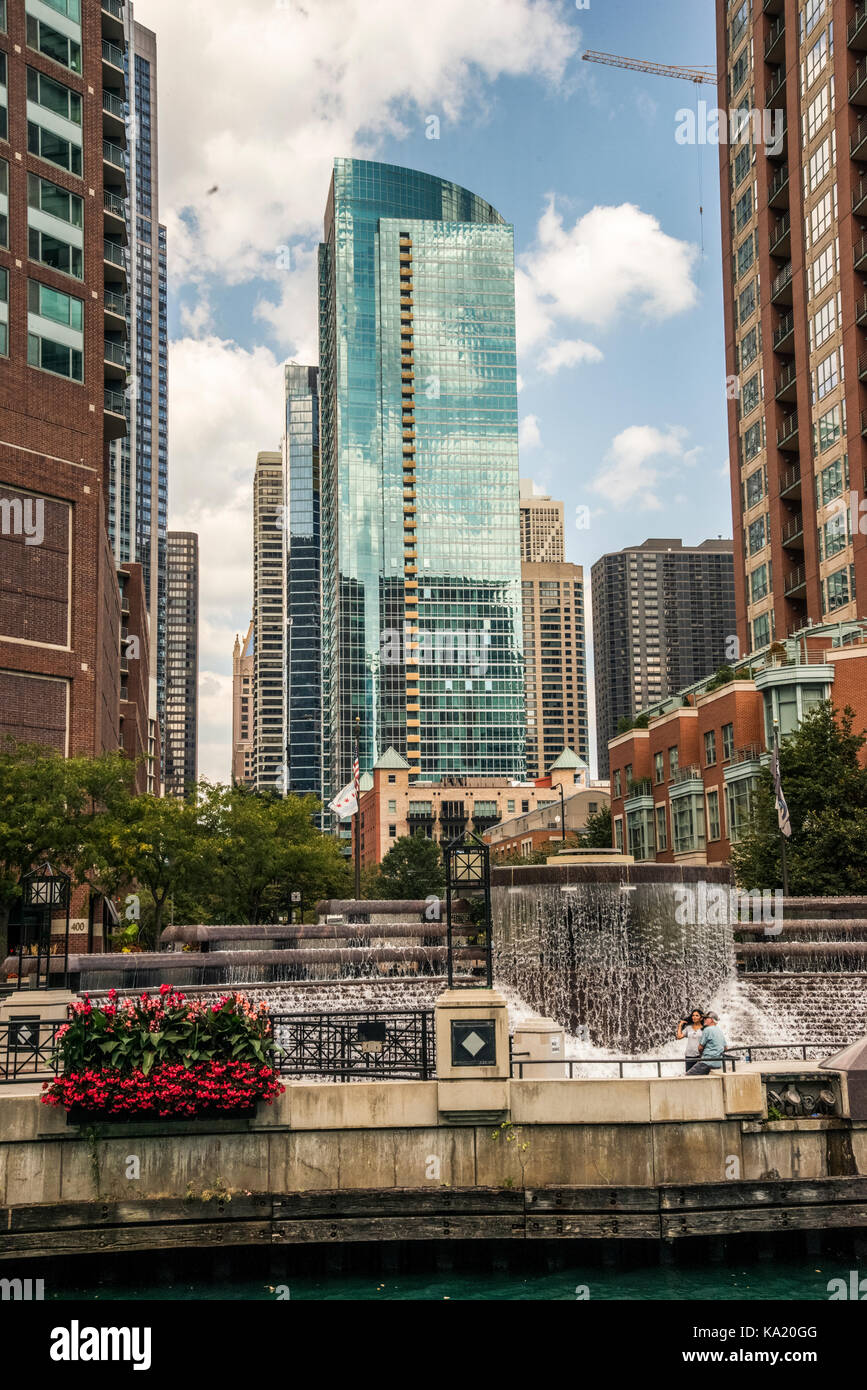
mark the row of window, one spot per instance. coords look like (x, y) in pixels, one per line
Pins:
(696, 820)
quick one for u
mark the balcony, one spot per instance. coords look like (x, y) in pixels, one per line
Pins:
(781, 289)
(784, 335)
(775, 87)
(858, 140)
(750, 753)
(790, 483)
(859, 199)
(861, 255)
(112, 67)
(113, 116)
(115, 414)
(793, 533)
(864, 423)
(787, 434)
(775, 43)
(786, 384)
(778, 188)
(862, 367)
(773, 6)
(856, 34)
(114, 359)
(114, 208)
(112, 20)
(781, 237)
(114, 262)
(795, 581)
(116, 311)
(858, 85)
(861, 311)
(113, 168)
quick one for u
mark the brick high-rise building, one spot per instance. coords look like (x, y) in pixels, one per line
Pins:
(182, 663)
(553, 610)
(794, 217)
(63, 186)
(662, 615)
(243, 712)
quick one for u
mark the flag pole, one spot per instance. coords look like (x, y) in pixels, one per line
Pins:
(357, 813)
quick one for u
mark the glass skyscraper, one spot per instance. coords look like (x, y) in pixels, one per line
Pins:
(303, 699)
(421, 569)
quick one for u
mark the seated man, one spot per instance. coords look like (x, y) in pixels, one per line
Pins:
(711, 1047)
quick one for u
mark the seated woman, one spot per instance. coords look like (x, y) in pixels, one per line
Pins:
(691, 1029)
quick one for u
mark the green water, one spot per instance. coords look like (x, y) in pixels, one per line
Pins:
(796, 1278)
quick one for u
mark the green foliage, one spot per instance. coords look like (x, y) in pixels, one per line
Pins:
(826, 791)
(624, 724)
(723, 676)
(597, 832)
(412, 868)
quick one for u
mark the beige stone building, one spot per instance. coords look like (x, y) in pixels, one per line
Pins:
(242, 710)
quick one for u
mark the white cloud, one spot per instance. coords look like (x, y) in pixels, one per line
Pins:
(633, 470)
(611, 259)
(277, 90)
(215, 725)
(529, 435)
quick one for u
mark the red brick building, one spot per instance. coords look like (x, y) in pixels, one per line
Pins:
(61, 333)
(681, 788)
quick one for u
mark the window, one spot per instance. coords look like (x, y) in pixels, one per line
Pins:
(728, 741)
(713, 826)
(740, 69)
(830, 482)
(672, 761)
(759, 583)
(749, 348)
(4, 99)
(70, 8)
(661, 830)
(525, 806)
(827, 375)
(756, 535)
(4, 203)
(829, 429)
(392, 777)
(4, 312)
(617, 783)
(750, 395)
(49, 41)
(742, 165)
(747, 302)
(818, 111)
(740, 19)
(761, 632)
(820, 163)
(833, 535)
(744, 210)
(54, 219)
(658, 768)
(746, 255)
(837, 590)
(53, 96)
(710, 748)
(825, 321)
(755, 487)
(812, 13)
(752, 441)
(822, 215)
(55, 331)
(687, 823)
(392, 832)
(392, 808)
(510, 807)
(739, 796)
(53, 113)
(816, 59)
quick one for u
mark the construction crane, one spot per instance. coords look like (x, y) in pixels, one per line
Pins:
(700, 74)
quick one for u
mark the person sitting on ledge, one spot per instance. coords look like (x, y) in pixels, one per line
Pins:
(691, 1027)
(712, 1046)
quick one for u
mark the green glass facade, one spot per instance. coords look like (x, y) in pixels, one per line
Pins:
(420, 518)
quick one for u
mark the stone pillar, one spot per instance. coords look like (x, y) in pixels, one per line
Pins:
(30, 1016)
(540, 1041)
(472, 1033)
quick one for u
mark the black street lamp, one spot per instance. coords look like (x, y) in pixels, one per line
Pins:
(45, 892)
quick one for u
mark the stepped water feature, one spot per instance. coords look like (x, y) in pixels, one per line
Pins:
(608, 950)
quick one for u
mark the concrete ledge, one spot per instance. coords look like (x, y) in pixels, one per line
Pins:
(353, 1105)
(679, 1098)
(742, 1093)
(581, 1102)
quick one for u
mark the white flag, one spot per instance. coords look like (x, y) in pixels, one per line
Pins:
(345, 804)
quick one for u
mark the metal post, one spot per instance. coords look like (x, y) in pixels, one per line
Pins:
(357, 817)
(562, 815)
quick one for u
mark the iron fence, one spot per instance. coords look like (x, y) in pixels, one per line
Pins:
(26, 1048)
(395, 1044)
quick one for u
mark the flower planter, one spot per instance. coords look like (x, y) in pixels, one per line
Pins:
(80, 1115)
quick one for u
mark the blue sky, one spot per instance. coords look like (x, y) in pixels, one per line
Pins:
(636, 430)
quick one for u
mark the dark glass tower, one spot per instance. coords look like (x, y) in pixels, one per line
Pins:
(303, 608)
(421, 569)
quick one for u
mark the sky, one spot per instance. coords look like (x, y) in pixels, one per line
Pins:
(617, 233)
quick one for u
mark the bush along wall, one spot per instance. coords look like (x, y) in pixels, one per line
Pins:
(163, 1055)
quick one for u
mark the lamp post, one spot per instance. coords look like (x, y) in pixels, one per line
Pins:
(44, 892)
(468, 865)
(562, 815)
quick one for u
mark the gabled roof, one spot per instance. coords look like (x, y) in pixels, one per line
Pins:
(567, 759)
(391, 760)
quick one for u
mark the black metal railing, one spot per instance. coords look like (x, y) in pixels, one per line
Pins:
(26, 1048)
(343, 1047)
(734, 1053)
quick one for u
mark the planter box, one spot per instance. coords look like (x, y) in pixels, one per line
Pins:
(78, 1115)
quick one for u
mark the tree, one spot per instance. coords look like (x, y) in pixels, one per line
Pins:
(412, 868)
(597, 833)
(825, 788)
(50, 807)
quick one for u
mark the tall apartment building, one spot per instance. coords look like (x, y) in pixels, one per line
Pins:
(138, 468)
(303, 691)
(63, 187)
(269, 751)
(421, 597)
(243, 713)
(554, 650)
(663, 617)
(182, 663)
(794, 217)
